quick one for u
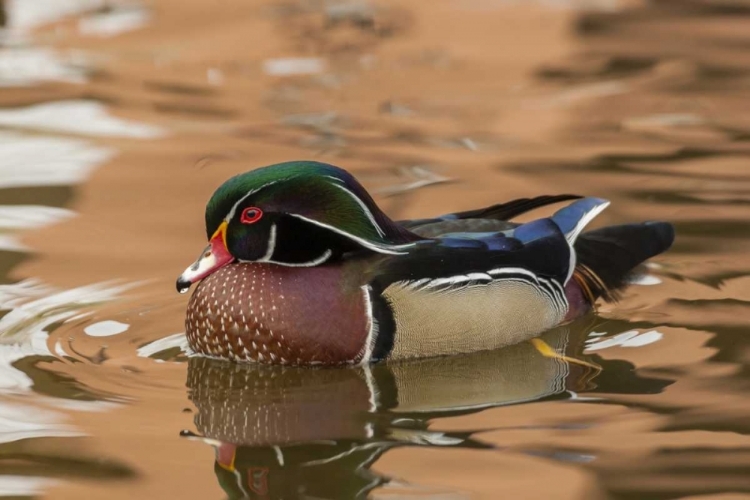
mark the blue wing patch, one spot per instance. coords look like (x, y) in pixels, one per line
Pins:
(498, 241)
(535, 230)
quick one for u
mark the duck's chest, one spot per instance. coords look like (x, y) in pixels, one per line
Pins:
(279, 315)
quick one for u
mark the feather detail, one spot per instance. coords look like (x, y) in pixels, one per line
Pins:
(607, 256)
(506, 211)
(591, 285)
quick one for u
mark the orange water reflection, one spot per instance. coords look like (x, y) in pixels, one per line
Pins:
(118, 122)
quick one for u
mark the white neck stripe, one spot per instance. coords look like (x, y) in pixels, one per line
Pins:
(312, 263)
(315, 262)
(387, 249)
(271, 245)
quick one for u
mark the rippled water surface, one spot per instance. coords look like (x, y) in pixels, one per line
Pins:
(118, 119)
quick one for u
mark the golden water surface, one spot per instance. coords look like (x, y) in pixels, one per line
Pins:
(118, 120)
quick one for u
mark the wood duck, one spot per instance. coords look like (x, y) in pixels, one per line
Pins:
(303, 268)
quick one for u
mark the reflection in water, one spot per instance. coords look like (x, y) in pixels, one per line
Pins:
(19, 422)
(26, 66)
(115, 20)
(76, 117)
(281, 432)
(25, 15)
(31, 160)
(24, 486)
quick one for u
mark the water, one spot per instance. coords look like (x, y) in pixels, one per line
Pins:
(117, 122)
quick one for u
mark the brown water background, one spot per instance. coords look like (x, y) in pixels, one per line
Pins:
(118, 119)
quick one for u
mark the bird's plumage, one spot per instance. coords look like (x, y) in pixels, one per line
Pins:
(325, 277)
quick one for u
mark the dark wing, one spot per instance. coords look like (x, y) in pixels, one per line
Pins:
(489, 219)
(506, 211)
(538, 248)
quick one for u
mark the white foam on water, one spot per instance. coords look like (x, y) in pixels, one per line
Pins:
(114, 22)
(32, 309)
(82, 117)
(645, 280)
(24, 486)
(11, 378)
(11, 244)
(289, 66)
(31, 216)
(59, 351)
(26, 15)
(177, 340)
(644, 339)
(631, 338)
(29, 316)
(27, 160)
(26, 66)
(105, 328)
(23, 422)
(79, 405)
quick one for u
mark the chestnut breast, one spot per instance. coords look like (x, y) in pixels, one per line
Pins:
(274, 314)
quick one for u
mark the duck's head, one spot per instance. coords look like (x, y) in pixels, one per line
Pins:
(300, 214)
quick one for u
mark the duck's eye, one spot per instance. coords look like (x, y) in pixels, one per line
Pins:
(251, 215)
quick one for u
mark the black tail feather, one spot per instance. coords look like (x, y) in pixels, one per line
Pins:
(607, 256)
(506, 211)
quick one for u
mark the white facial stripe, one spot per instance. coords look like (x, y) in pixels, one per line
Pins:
(387, 249)
(271, 245)
(233, 211)
(312, 263)
(363, 206)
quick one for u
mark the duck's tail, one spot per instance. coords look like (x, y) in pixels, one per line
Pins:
(607, 257)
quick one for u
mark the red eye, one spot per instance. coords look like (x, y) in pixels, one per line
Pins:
(251, 215)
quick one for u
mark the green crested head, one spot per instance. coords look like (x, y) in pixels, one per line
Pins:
(299, 213)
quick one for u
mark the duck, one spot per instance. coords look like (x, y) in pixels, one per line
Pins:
(303, 268)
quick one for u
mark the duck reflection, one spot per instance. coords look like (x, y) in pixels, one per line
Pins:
(282, 432)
